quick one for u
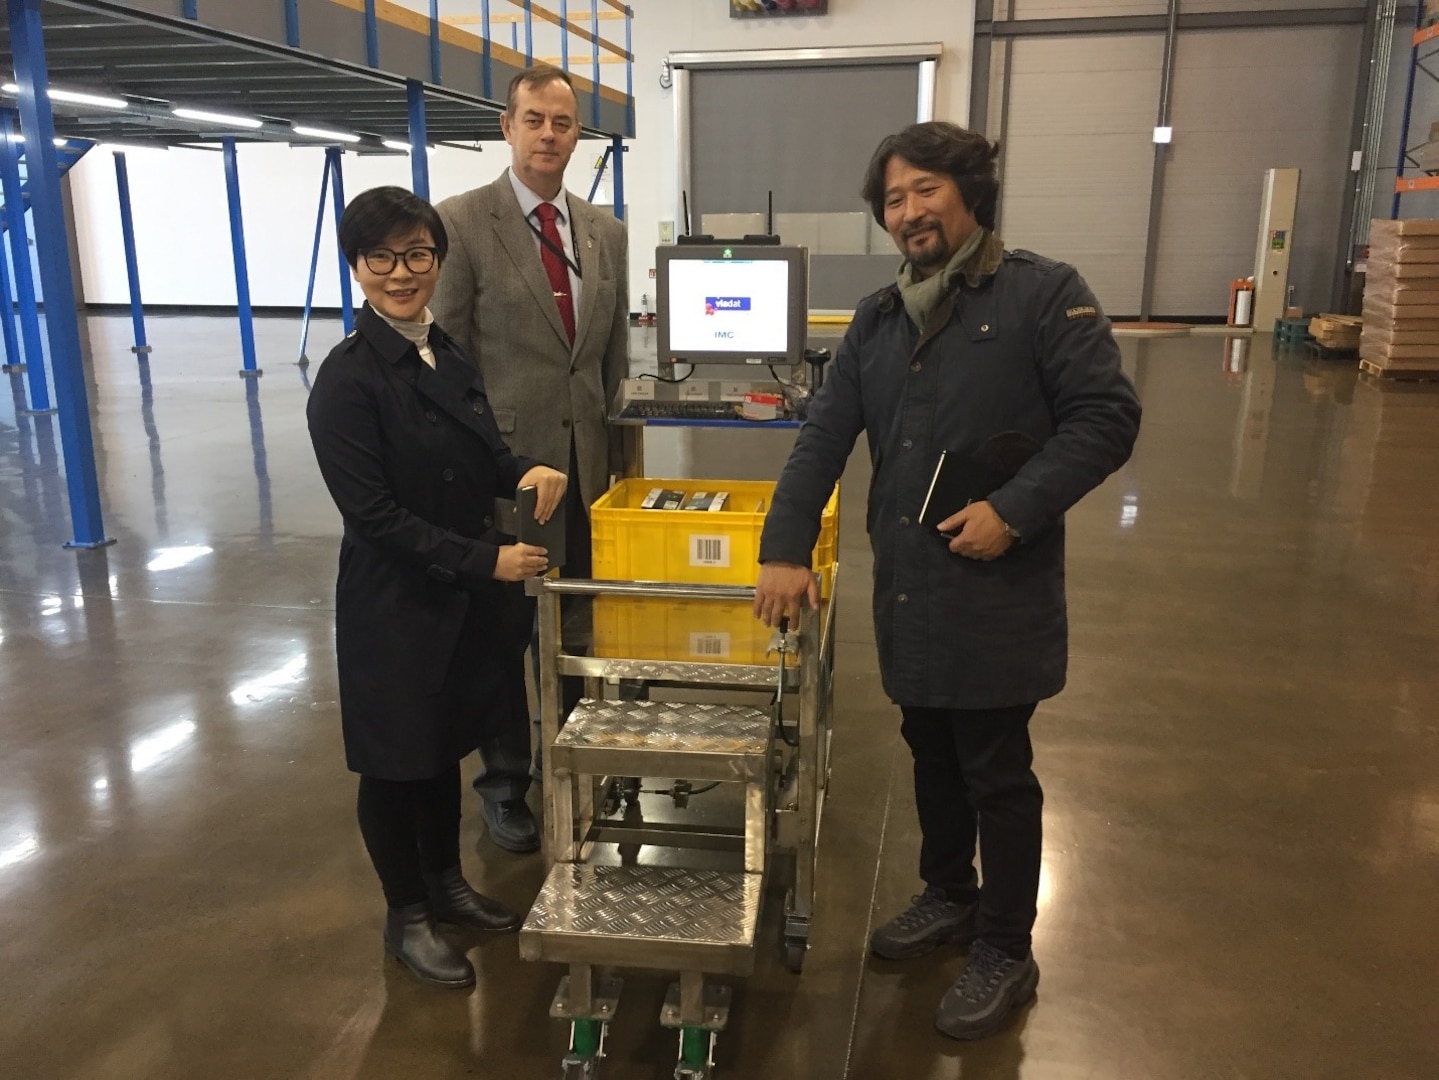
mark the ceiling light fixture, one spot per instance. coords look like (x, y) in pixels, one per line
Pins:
(98, 101)
(206, 117)
(76, 97)
(324, 133)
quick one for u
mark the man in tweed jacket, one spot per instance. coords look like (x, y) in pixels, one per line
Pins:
(535, 289)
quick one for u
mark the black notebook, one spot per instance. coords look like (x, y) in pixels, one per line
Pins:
(961, 479)
(550, 535)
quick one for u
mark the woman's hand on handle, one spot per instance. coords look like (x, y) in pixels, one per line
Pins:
(517, 562)
(549, 485)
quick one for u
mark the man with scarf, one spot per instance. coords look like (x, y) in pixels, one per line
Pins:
(1004, 361)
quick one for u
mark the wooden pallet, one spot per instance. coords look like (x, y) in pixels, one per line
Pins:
(1399, 374)
(1324, 352)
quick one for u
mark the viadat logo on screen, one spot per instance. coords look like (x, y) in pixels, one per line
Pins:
(726, 303)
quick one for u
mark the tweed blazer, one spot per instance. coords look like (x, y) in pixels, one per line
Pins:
(493, 296)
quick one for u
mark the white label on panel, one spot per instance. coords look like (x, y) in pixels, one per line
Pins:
(709, 646)
(709, 550)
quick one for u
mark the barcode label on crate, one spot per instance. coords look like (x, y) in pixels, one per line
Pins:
(709, 645)
(709, 550)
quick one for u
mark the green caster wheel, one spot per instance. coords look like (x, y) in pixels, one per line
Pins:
(695, 1045)
(585, 1038)
(586, 1045)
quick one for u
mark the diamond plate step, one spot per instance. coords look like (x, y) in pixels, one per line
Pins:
(645, 916)
(666, 738)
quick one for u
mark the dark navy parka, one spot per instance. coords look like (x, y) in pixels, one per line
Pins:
(1020, 346)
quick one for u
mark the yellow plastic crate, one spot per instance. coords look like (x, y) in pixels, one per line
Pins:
(719, 547)
(683, 631)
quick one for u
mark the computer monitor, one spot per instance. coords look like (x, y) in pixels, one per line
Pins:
(732, 304)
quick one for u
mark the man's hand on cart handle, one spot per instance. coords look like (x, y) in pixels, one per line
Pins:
(549, 485)
(782, 590)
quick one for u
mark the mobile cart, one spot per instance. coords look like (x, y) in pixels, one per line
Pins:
(697, 922)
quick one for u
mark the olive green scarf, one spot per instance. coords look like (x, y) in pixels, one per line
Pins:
(922, 297)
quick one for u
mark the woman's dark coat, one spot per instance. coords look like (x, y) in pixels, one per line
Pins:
(429, 658)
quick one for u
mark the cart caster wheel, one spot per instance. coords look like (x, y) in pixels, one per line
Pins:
(630, 789)
(583, 1060)
(696, 1051)
(581, 1069)
(794, 950)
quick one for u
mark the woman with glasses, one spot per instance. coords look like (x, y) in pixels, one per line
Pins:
(425, 634)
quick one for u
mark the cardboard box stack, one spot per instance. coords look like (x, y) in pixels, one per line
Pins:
(1401, 297)
(1336, 332)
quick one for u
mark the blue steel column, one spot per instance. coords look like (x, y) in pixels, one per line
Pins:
(487, 76)
(595, 63)
(1408, 110)
(372, 35)
(132, 262)
(314, 264)
(32, 73)
(565, 35)
(292, 23)
(34, 365)
(529, 33)
(251, 369)
(14, 358)
(617, 166)
(347, 303)
(599, 173)
(435, 43)
(419, 140)
(629, 71)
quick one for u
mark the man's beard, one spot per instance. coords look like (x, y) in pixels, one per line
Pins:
(936, 252)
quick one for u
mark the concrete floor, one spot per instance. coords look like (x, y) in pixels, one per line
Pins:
(1242, 816)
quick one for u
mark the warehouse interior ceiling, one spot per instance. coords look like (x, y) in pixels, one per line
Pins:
(156, 65)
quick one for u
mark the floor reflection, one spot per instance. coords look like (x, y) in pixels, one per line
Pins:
(152, 437)
(1243, 765)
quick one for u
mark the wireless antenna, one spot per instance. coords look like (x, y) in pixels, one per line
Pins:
(685, 195)
(769, 221)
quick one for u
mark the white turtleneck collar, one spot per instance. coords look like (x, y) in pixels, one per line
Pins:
(417, 333)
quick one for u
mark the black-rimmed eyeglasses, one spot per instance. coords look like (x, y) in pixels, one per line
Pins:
(419, 260)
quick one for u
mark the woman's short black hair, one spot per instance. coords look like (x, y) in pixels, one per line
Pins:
(376, 215)
(942, 147)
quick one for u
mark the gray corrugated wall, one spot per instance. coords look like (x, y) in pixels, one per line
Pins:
(1078, 156)
(1246, 101)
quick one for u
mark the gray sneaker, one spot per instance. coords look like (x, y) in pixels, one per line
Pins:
(989, 991)
(929, 921)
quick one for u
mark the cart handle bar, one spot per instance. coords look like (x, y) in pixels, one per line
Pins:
(669, 589)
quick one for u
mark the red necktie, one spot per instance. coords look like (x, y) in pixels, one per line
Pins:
(555, 268)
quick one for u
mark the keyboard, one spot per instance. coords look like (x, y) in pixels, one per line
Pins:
(679, 410)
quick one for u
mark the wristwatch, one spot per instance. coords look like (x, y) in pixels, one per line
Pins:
(1011, 531)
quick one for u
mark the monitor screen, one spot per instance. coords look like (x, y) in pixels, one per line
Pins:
(732, 304)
